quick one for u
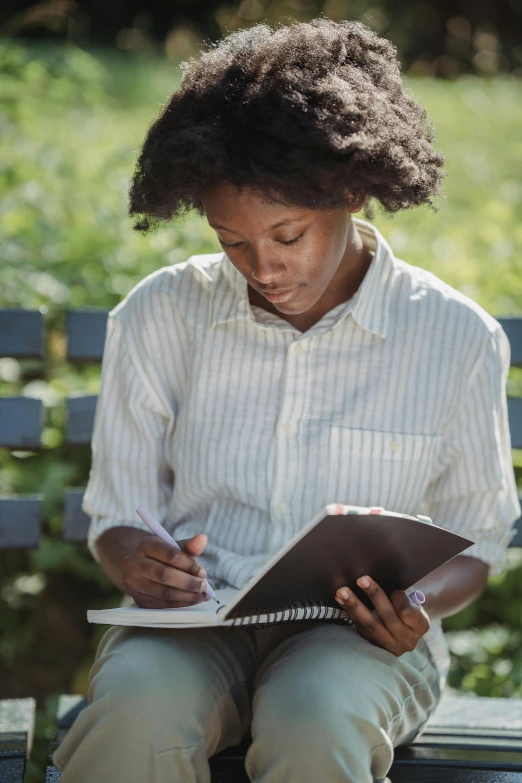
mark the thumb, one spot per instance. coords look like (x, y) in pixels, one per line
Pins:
(194, 545)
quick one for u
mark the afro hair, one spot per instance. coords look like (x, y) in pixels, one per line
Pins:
(309, 114)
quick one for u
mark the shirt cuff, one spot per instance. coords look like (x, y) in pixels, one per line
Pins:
(99, 524)
(492, 552)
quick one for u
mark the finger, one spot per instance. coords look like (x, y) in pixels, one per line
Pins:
(371, 625)
(147, 601)
(168, 575)
(171, 595)
(384, 607)
(194, 545)
(412, 615)
(153, 547)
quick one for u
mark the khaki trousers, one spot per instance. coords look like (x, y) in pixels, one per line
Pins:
(321, 702)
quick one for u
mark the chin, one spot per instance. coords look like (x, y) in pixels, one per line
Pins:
(298, 305)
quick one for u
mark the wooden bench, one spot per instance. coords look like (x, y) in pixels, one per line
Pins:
(467, 740)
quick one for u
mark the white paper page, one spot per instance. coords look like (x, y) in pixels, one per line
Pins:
(200, 614)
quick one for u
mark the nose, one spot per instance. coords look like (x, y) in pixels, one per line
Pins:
(267, 271)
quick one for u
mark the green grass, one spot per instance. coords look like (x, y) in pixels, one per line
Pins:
(72, 124)
(474, 241)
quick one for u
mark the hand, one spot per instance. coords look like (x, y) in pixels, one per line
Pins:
(159, 576)
(396, 624)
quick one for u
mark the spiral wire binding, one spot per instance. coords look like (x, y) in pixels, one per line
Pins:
(290, 614)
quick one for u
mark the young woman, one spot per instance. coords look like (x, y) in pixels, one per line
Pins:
(243, 390)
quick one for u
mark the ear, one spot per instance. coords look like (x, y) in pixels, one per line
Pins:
(358, 202)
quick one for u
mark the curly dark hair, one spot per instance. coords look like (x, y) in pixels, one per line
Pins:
(308, 114)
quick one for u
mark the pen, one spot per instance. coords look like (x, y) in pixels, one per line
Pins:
(155, 527)
(417, 597)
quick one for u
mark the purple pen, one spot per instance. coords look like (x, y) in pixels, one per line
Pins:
(155, 527)
(417, 597)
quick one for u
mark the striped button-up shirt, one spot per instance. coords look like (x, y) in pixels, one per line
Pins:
(223, 418)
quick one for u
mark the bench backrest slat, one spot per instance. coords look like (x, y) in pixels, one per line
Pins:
(20, 521)
(75, 520)
(21, 423)
(86, 334)
(517, 541)
(515, 421)
(21, 334)
(513, 329)
(81, 410)
(80, 419)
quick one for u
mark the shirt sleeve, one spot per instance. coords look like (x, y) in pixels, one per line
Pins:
(476, 493)
(128, 468)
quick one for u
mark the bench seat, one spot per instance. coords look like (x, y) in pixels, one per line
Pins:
(16, 737)
(466, 739)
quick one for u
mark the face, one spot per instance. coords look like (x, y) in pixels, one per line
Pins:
(312, 255)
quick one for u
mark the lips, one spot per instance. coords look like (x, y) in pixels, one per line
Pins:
(286, 296)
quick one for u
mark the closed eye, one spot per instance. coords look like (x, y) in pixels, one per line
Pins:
(236, 244)
(290, 241)
(293, 241)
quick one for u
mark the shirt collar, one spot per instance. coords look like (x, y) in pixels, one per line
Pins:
(369, 306)
(371, 303)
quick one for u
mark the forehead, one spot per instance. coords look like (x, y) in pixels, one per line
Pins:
(231, 208)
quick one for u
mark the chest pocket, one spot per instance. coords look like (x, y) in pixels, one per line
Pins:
(376, 468)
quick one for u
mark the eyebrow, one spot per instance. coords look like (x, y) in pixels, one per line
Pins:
(276, 225)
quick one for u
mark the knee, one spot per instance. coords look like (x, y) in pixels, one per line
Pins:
(139, 695)
(315, 721)
(128, 703)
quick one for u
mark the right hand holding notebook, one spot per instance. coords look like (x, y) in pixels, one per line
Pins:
(397, 623)
(159, 576)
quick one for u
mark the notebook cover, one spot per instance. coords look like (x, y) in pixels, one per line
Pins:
(394, 551)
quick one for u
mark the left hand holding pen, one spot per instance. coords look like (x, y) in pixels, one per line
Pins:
(399, 623)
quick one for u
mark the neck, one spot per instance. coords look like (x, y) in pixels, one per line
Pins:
(354, 264)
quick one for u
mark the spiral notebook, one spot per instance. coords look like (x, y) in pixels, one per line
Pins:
(340, 544)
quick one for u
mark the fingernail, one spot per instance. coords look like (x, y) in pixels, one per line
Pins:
(363, 581)
(344, 594)
(203, 586)
(202, 572)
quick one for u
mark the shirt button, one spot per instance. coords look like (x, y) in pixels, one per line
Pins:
(299, 349)
(394, 446)
(281, 506)
(287, 428)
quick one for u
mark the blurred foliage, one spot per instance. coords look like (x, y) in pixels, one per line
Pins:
(71, 122)
(434, 37)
